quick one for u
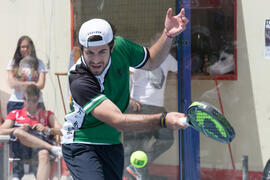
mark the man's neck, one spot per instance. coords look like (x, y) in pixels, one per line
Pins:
(32, 112)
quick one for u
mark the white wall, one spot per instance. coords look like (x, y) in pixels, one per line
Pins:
(259, 67)
(47, 22)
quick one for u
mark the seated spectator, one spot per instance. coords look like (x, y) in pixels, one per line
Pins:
(32, 130)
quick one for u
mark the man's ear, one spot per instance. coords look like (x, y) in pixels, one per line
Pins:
(112, 49)
(111, 46)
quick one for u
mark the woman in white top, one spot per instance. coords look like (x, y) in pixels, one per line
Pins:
(20, 74)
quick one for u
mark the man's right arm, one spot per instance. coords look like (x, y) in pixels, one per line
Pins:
(136, 105)
(110, 114)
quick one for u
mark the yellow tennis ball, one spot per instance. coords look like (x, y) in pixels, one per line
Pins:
(138, 159)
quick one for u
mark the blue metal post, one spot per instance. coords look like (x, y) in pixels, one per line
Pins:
(189, 142)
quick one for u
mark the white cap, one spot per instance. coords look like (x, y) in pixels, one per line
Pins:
(95, 27)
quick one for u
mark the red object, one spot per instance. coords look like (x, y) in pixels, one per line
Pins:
(201, 3)
(22, 117)
(224, 174)
(54, 169)
(60, 88)
(204, 3)
(64, 169)
(221, 109)
(211, 4)
(172, 173)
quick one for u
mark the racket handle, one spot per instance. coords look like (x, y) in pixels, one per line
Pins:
(184, 121)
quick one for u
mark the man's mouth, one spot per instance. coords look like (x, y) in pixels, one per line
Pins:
(96, 66)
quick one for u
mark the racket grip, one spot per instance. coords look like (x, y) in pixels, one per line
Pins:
(184, 121)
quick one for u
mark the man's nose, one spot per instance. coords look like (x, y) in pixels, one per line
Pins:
(95, 59)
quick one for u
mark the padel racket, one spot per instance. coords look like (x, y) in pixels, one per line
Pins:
(206, 119)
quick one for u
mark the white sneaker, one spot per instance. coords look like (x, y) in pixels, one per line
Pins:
(15, 178)
(57, 151)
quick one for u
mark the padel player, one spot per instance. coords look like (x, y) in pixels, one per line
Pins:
(99, 84)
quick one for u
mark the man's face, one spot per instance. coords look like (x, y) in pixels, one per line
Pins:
(97, 58)
(31, 102)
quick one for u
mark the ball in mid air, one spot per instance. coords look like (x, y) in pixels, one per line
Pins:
(138, 159)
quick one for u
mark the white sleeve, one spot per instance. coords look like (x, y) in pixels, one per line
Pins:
(131, 79)
(41, 67)
(131, 69)
(171, 63)
(10, 64)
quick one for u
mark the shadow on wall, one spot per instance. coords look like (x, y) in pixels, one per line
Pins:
(4, 96)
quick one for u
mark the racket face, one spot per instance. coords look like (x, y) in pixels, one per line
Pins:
(209, 121)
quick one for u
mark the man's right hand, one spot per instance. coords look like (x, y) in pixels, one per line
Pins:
(173, 122)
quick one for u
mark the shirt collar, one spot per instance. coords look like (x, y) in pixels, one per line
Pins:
(100, 77)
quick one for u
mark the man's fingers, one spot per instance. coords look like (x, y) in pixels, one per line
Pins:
(182, 13)
(169, 13)
(184, 20)
(136, 106)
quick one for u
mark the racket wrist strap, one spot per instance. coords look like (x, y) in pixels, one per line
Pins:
(163, 119)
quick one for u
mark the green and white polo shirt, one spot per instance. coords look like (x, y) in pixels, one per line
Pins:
(88, 91)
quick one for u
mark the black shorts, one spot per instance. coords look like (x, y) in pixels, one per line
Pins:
(97, 162)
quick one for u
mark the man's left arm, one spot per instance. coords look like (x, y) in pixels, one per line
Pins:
(174, 25)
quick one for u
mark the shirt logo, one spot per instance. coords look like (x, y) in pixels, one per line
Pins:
(119, 72)
(20, 118)
(42, 121)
